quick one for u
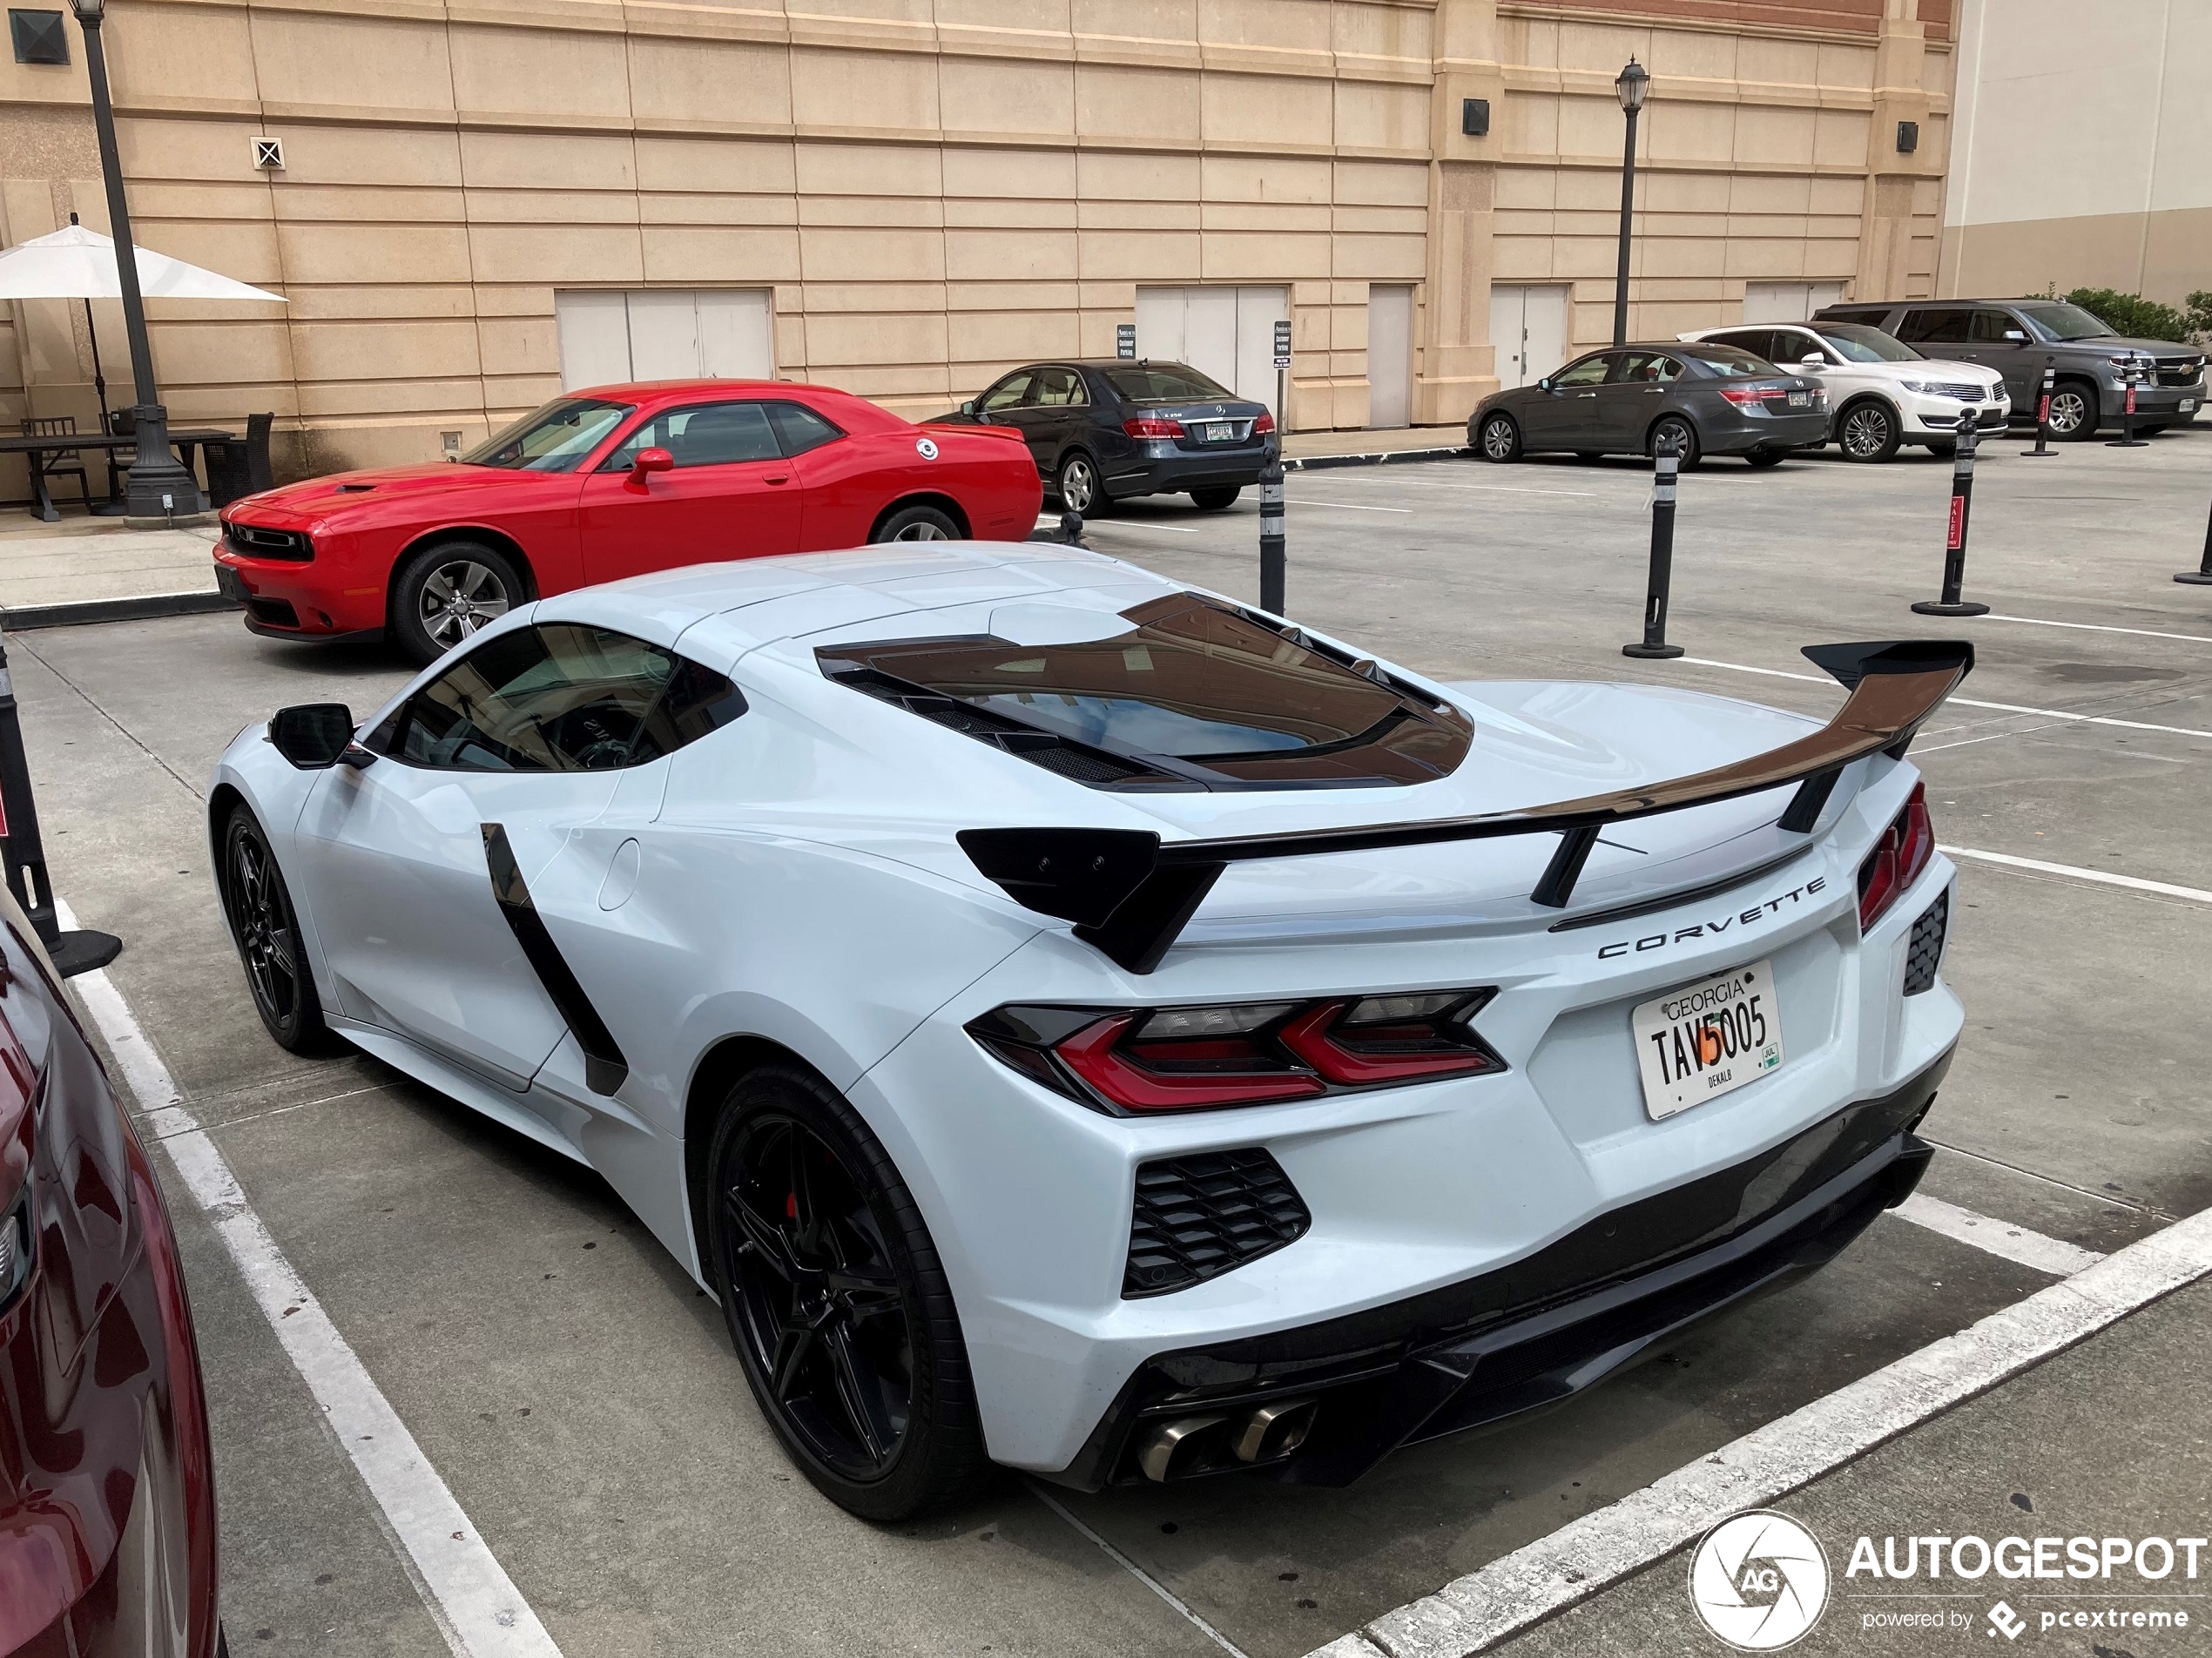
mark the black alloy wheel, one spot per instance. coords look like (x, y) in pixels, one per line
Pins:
(1077, 484)
(837, 1302)
(2074, 411)
(446, 594)
(1868, 431)
(257, 905)
(1685, 436)
(1500, 438)
(1215, 499)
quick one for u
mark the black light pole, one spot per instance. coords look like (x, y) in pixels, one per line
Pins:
(1631, 84)
(156, 486)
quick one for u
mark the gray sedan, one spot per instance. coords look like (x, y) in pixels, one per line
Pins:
(1711, 399)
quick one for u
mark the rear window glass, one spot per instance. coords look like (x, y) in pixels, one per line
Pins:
(1163, 383)
(1193, 693)
(1727, 359)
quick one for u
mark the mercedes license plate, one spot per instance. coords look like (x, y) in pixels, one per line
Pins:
(1216, 431)
(1800, 400)
(1704, 1040)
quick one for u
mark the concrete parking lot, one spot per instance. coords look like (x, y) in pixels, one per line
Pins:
(577, 1393)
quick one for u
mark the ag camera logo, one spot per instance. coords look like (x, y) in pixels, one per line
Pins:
(1759, 1582)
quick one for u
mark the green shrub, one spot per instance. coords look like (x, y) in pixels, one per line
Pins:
(2131, 313)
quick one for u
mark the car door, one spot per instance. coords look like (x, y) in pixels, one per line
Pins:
(1940, 331)
(1008, 403)
(1633, 395)
(1564, 414)
(1057, 412)
(2002, 341)
(495, 762)
(730, 493)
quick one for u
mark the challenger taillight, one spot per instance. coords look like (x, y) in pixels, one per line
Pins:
(1152, 425)
(1143, 1060)
(1897, 860)
(1264, 425)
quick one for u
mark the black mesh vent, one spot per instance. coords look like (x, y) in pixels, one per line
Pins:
(1924, 954)
(1201, 1216)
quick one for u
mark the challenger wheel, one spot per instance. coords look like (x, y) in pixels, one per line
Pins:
(444, 594)
(257, 905)
(836, 1302)
(1868, 431)
(1500, 439)
(917, 524)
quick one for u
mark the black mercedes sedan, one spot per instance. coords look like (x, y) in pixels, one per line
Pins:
(1103, 430)
(1714, 399)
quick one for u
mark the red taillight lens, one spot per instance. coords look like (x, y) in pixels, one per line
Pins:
(1745, 394)
(1897, 860)
(1152, 425)
(1264, 425)
(1183, 1059)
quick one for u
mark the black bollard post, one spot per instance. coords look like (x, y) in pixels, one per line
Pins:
(2202, 576)
(1666, 469)
(72, 952)
(2043, 451)
(1071, 527)
(1272, 567)
(2128, 440)
(1954, 551)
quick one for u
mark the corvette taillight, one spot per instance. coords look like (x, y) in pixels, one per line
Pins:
(1152, 425)
(1146, 1059)
(1897, 860)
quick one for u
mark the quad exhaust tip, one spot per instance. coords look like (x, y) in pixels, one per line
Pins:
(1183, 1445)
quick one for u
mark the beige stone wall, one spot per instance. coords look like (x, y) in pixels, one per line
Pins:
(937, 189)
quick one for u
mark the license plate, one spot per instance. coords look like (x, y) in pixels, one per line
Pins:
(2189, 406)
(1216, 431)
(1800, 400)
(228, 585)
(1702, 1041)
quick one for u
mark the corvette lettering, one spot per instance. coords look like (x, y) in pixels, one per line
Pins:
(1745, 917)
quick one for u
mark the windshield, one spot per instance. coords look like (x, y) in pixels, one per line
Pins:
(1163, 383)
(557, 438)
(1727, 360)
(1855, 342)
(1190, 680)
(2059, 320)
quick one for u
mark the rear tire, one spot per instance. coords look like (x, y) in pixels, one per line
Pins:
(1685, 439)
(1766, 457)
(1076, 484)
(445, 594)
(257, 905)
(1868, 431)
(837, 1302)
(2074, 412)
(916, 523)
(1215, 500)
(1500, 439)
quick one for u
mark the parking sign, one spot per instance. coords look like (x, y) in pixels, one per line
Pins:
(1125, 339)
(1283, 345)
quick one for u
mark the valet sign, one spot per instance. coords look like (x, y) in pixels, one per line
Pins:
(1761, 1581)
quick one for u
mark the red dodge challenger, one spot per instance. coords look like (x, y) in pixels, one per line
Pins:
(604, 483)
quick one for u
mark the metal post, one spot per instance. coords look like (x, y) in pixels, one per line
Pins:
(2042, 451)
(1628, 210)
(1071, 527)
(1271, 564)
(1667, 466)
(25, 856)
(2202, 576)
(156, 486)
(2128, 440)
(1954, 551)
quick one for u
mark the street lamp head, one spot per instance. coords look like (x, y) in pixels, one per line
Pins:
(1631, 84)
(89, 12)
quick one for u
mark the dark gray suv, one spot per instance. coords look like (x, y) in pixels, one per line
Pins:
(2018, 338)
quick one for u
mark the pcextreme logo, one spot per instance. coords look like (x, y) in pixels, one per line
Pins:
(1759, 1581)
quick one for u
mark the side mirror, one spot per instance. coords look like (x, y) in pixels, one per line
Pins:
(1812, 360)
(1545, 384)
(2014, 336)
(968, 408)
(313, 736)
(651, 461)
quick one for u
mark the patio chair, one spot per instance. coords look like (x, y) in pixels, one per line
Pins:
(58, 463)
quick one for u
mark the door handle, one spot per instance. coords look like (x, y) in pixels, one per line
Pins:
(1585, 394)
(783, 478)
(1655, 391)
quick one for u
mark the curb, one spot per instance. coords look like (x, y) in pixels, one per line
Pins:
(23, 617)
(1385, 457)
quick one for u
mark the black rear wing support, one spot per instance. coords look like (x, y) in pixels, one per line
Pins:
(1130, 894)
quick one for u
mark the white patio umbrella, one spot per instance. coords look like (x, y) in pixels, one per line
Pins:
(74, 263)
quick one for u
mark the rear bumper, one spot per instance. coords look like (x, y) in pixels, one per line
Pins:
(1538, 1331)
(1746, 432)
(1162, 469)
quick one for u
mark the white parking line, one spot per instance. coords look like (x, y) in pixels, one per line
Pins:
(1345, 506)
(2096, 627)
(470, 1598)
(2134, 883)
(1139, 1574)
(1485, 1607)
(2015, 1244)
(1966, 702)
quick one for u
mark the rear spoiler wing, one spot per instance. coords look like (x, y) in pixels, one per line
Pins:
(1130, 894)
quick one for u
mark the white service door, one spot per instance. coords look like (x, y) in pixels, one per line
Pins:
(1390, 356)
(608, 337)
(1528, 327)
(1159, 324)
(664, 335)
(1788, 302)
(594, 326)
(1258, 309)
(1227, 333)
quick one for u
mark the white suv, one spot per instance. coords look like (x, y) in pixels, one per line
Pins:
(1883, 393)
